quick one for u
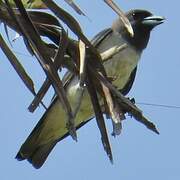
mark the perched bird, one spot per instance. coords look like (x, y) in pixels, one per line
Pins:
(52, 126)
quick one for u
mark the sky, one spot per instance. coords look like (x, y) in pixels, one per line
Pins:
(138, 153)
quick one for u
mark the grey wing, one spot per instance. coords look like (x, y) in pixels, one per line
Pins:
(97, 40)
(100, 36)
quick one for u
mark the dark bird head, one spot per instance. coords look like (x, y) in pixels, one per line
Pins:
(142, 22)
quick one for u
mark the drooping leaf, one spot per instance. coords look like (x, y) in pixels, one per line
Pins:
(99, 117)
(82, 52)
(17, 65)
(75, 7)
(32, 35)
(58, 61)
(127, 105)
(122, 16)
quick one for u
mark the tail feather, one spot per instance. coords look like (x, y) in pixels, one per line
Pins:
(35, 152)
(38, 156)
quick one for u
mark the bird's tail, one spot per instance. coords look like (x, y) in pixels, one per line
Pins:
(38, 154)
(33, 150)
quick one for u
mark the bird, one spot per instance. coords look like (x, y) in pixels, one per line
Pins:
(51, 128)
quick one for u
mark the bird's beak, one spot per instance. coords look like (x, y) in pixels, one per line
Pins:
(153, 20)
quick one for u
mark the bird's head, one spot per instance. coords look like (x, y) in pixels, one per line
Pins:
(142, 22)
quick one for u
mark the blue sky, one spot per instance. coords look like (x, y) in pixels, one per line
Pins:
(138, 153)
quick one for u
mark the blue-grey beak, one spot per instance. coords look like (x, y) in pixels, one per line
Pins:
(153, 20)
